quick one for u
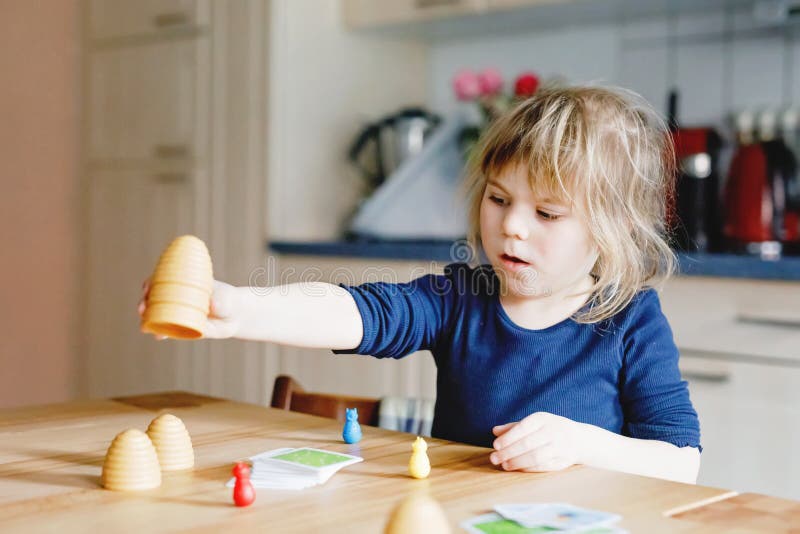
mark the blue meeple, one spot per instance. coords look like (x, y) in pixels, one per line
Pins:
(351, 433)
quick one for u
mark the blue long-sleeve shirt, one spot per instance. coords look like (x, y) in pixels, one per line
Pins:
(620, 374)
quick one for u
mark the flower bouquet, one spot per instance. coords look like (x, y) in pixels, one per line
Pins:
(485, 89)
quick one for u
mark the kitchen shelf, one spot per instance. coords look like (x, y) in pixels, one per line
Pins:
(715, 265)
(502, 18)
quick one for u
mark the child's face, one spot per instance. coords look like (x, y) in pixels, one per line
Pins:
(537, 246)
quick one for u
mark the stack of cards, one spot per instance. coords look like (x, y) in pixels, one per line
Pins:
(540, 518)
(296, 468)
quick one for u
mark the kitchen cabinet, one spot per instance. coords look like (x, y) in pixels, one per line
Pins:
(170, 150)
(749, 415)
(123, 18)
(740, 353)
(148, 179)
(368, 13)
(132, 216)
(147, 104)
(735, 319)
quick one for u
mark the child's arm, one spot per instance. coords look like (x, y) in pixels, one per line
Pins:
(312, 314)
(547, 442)
(640, 456)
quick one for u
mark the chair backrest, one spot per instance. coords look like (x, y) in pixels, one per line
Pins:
(287, 394)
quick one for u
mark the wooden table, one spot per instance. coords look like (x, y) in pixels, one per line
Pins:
(51, 458)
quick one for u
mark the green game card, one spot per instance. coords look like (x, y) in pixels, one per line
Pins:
(495, 524)
(314, 458)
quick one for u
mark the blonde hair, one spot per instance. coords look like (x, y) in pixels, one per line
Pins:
(606, 152)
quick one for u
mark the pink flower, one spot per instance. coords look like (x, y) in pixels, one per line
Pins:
(491, 82)
(466, 85)
(526, 84)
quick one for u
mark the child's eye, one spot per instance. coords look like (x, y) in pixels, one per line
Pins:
(548, 216)
(497, 200)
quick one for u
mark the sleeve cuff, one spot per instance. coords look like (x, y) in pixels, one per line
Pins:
(366, 319)
(675, 436)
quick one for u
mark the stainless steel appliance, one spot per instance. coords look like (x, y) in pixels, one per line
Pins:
(381, 147)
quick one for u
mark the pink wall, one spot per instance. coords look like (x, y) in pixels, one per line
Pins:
(39, 215)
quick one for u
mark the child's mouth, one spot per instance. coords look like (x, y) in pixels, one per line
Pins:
(512, 262)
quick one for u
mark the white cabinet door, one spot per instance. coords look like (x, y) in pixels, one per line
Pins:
(749, 425)
(133, 216)
(123, 18)
(146, 102)
(735, 317)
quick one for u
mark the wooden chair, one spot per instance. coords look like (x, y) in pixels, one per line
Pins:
(287, 394)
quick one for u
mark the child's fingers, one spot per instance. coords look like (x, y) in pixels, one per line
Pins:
(143, 300)
(499, 430)
(556, 463)
(156, 336)
(214, 308)
(221, 301)
(537, 460)
(211, 330)
(526, 445)
(540, 458)
(529, 425)
(218, 329)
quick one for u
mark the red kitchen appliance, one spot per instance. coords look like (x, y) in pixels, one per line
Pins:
(762, 199)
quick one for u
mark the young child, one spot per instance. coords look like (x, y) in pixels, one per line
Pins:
(556, 352)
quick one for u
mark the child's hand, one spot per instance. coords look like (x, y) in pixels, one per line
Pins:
(223, 316)
(540, 442)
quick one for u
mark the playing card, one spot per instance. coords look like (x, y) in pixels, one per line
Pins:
(510, 511)
(313, 459)
(288, 468)
(494, 523)
(565, 517)
(497, 524)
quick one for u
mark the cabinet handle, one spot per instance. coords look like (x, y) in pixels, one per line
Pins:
(176, 18)
(171, 151)
(699, 376)
(423, 4)
(172, 177)
(768, 321)
(718, 355)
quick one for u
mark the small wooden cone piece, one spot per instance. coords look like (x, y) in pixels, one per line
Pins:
(180, 290)
(131, 463)
(172, 442)
(417, 513)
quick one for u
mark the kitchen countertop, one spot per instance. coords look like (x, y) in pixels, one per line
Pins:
(717, 265)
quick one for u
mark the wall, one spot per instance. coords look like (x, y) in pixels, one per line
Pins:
(720, 61)
(327, 83)
(38, 204)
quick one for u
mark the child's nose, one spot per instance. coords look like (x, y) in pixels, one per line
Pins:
(515, 225)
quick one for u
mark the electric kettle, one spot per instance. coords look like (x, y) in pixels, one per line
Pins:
(381, 147)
